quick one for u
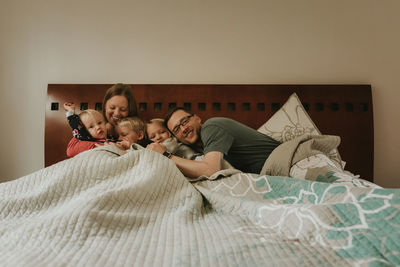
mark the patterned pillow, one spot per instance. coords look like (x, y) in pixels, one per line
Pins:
(290, 121)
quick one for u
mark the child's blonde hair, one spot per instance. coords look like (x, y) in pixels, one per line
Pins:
(90, 112)
(133, 123)
(158, 121)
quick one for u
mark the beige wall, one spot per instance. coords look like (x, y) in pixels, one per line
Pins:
(188, 41)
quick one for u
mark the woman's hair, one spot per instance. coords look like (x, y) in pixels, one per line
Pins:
(133, 123)
(123, 90)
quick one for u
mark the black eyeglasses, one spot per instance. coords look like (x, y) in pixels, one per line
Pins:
(184, 121)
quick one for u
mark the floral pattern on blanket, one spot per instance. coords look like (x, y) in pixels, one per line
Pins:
(358, 222)
(321, 168)
(353, 213)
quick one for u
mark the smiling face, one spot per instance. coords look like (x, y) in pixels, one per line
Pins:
(185, 127)
(156, 132)
(125, 133)
(95, 124)
(116, 108)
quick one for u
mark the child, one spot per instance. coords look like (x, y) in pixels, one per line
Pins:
(156, 132)
(131, 130)
(88, 128)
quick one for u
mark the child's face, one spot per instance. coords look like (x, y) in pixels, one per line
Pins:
(127, 134)
(95, 125)
(157, 133)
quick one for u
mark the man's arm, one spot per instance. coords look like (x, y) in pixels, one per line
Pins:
(192, 168)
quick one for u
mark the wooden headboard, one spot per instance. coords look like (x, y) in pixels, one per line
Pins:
(344, 110)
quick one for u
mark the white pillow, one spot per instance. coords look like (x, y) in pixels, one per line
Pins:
(290, 121)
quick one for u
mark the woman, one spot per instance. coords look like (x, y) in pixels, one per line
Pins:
(118, 103)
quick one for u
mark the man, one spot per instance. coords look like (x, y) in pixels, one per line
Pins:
(243, 147)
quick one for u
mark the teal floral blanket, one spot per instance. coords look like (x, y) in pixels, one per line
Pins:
(103, 209)
(313, 223)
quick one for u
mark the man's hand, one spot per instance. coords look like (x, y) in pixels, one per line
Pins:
(157, 147)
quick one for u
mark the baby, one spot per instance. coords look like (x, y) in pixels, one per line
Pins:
(157, 132)
(88, 128)
(131, 130)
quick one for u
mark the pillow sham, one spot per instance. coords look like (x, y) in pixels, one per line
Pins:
(292, 120)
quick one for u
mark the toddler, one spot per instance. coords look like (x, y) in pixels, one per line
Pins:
(131, 130)
(157, 132)
(88, 128)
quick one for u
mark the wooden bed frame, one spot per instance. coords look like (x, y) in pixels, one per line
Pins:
(344, 110)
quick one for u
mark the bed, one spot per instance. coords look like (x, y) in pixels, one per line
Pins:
(104, 208)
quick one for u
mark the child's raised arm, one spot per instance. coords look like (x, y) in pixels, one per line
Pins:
(78, 129)
(69, 106)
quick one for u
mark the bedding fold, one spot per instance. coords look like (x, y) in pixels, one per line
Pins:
(289, 153)
(102, 208)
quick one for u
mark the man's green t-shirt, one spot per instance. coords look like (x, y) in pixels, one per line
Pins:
(243, 147)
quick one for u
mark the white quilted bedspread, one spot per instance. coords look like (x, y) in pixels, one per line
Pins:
(101, 209)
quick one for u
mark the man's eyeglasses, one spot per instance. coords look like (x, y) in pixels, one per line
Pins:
(184, 121)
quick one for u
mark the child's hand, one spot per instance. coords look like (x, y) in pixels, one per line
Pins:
(123, 145)
(68, 106)
(123, 151)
